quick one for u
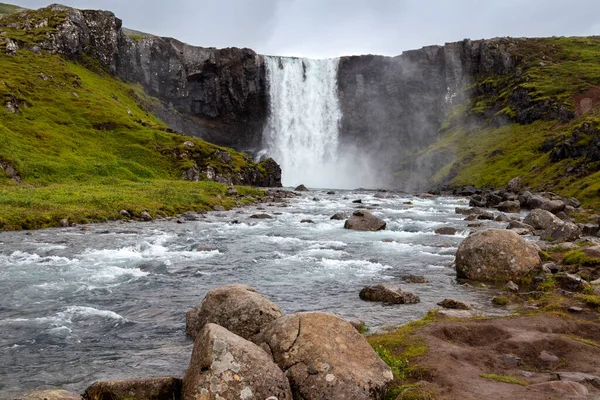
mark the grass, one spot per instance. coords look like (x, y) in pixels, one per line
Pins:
(85, 147)
(8, 8)
(504, 379)
(578, 256)
(584, 341)
(398, 349)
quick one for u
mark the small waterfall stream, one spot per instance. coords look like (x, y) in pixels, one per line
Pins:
(302, 131)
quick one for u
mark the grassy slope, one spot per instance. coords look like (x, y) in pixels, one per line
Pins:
(9, 8)
(80, 153)
(554, 70)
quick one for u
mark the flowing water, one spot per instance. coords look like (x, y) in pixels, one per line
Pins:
(108, 301)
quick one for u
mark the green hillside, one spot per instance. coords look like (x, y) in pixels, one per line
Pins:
(8, 8)
(77, 143)
(539, 123)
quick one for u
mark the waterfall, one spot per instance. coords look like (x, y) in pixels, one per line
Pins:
(302, 131)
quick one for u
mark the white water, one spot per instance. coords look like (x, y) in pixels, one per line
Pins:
(302, 132)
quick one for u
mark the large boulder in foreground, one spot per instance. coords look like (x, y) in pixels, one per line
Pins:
(325, 357)
(150, 388)
(496, 255)
(227, 366)
(364, 221)
(388, 294)
(238, 308)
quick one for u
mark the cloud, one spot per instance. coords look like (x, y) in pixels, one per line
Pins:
(329, 28)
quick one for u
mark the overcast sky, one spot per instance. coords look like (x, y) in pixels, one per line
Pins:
(330, 28)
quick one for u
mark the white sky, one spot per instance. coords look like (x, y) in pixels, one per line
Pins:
(330, 28)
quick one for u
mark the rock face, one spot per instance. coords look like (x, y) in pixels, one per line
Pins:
(324, 357)
(496, 255)
(387, 294)
(226, 366)
(149, 388)
(239, 308)
(364, 221)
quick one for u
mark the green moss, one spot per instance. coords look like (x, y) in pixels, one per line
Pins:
(504, 379)
(578, 256)
(589, 299)
(548, 285)
(545, 256)
(500, 300)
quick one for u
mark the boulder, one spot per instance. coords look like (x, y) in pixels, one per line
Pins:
(455, 304)
(364, 221)
(325, 358)
(496, 255)
(51, 394)
(553, 227)
(260, 216)
(414, 279)
(509, 206)
(388, 294)
(535, 201)
(572, 202)
(307, 221)
(150, 388)
(514, 185)
(502, 218)
(588, 229)
(567, 232)
(485, 215)
(554, 206)
(520, 225)
(227, 366)
(445, 230)
(239, 308)
(301, 188)
(339, 216)
(146, 216)
(571, 282)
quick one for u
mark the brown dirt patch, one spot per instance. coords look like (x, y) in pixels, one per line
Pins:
(460, 351)
(588, 101)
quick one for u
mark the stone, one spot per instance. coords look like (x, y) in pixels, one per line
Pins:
(145, 215)
(331, 192)
(520, 225)
(485, 215)
(307, 221)
(454, 314)
(339, 216)
(535, 201)
(575, 310)
(445, 230)
(588, 229)
(552, 227)
(414, 279)
(566, 232)
(358, 324)
(226, 366)
(218, 208)
(496, 255)
(511, 287)
(325, 358)
(571, 282)
(467, 211)
(554, 206)
(521, 231)
(510, 360)
(514, 185)
(364, 221)
(509, 206)
(388, 294)
(150, 388)
(125, 213)
(232, 191)
(562, 388)
(572, 202)
(549, 359)
(578, 377)
(52, 394)
(65, 223)
(502, 218)
(238, 308)
(260, 216)
(455, 304)
(359, 201)
(11, 47)
(301, 188)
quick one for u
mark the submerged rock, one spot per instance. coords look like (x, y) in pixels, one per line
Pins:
(388, 294)
(325, 358)
(339, 216)
(226, 366)
(364, 221)
(496, 255)
(239, 308)
(446, 230)
(150, 388)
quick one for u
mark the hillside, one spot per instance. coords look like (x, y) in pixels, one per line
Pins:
(79, 144)
(539, 121)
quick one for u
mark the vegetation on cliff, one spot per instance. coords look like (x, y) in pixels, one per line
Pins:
(539, 122)
(78, 144)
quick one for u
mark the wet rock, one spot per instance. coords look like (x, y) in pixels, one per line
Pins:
(455, 304)
(218, 208)
(260, 216)
(467, 211)
(509, 206)
(339, 216)
(124, 213)
(445, 230)
(301, 188)
(331, 192)
(150, 388)
(307, 221)
(511, 287)
(364, 221)
(485, 215)
(414, 279)
(325, 358)
(520, 225)
(514, 185)
(359, 201)
(191, 216)
(502, 218)
(146, 216)
(52, 394)
(227, 366)
(454, 314)
(238, 308)
(388, 294)
(562, 388)
(496, 255)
